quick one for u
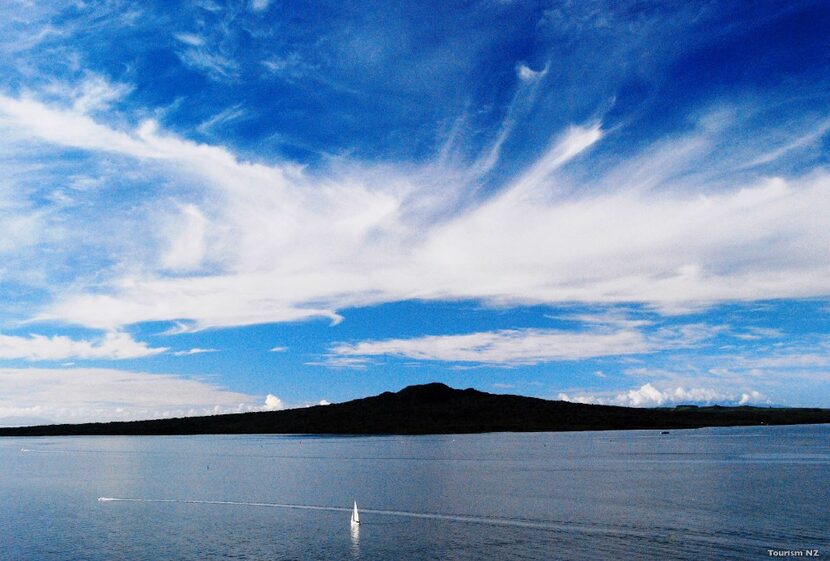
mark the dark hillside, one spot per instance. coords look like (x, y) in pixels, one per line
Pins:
(439, 409)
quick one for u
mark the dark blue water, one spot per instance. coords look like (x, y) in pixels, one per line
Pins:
(705, 494)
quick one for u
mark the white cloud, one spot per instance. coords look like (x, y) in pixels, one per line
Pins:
(221, 118)
(648, 395)
(187, 240)
(273, 403)
(96, 94)
(289, 66)
(278, 349)
(756, 333)
(63, 395)
(112, 346)
(345, 362)
(785, 360)
(259, 5)
(810, 138)
(526, 346)
(25, 116)
(194, 351)
(190, 39)
(321, 402)
(612, 318)
(751, 397)
(527, 74)
(213, 64)
(285, 243)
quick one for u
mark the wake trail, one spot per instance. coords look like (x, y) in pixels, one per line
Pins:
(472, 519)
(622, 531)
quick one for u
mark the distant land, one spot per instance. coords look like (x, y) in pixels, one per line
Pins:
(438, 409)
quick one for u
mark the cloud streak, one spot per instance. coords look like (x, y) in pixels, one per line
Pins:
(194, 351)
(112, 346)
(286, 244)
(524, 346)
(63, 395)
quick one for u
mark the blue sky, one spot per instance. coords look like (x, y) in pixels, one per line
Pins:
(235, 206)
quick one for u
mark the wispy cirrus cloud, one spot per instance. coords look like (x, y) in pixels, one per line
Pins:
(526, 346)
(354, 235)
(216, 65)
(342, 362)
(190, 39)
(194, 351)
(225, 116)
(783, 356)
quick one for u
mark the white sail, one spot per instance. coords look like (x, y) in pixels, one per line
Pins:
(355, 515)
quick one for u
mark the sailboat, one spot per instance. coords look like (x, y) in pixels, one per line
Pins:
(355, 515)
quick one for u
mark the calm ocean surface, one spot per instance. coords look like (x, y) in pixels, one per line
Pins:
(728, 493)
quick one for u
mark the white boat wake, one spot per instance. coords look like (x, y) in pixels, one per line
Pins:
(473, 519)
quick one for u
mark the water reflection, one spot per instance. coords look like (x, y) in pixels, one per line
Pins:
(355, 530)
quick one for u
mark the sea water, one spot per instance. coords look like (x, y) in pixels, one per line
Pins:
(725, 493)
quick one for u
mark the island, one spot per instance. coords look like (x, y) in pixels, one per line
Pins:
(439, 409)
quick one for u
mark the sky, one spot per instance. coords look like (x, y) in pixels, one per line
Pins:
(211, 207)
